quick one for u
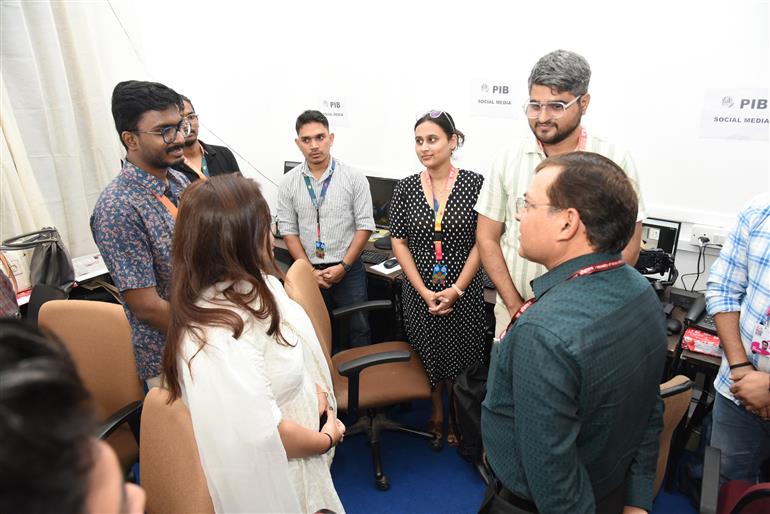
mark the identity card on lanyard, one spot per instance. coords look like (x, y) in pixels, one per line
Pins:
(320, 246)
(760, 342)
(439, 207)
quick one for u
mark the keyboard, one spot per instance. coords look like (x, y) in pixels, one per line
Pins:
(373, 256)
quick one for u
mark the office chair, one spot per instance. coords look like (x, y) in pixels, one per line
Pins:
(676, 394)
(732, 497)
(366, 378)
(98, 337)
(171, 469)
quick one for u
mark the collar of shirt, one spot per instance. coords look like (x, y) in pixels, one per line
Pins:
(306, 170)
(136, 174)
(559, 274)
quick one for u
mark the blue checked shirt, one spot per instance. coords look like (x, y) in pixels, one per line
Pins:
(740, 281)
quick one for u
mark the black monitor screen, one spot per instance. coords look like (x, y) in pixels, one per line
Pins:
(382, 193)
(662, 234)
(289, 165)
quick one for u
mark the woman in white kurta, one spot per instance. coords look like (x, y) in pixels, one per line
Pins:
(246, 361)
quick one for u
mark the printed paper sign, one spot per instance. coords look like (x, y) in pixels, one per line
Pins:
(735, 114)
(335, 109)
(494, 98)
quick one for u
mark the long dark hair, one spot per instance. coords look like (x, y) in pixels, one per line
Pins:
(222, 234)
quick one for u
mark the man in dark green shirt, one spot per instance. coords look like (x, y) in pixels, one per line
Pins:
(573, 410)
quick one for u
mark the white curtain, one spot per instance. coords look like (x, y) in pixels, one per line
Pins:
(56, 96)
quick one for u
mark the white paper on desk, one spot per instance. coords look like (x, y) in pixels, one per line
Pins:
(380, 268)
(88, 266)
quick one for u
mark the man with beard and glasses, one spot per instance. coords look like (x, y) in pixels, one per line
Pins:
(133, 220)
(558, 99)
(202, 160)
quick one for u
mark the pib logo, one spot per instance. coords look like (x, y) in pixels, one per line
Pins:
(754, 103)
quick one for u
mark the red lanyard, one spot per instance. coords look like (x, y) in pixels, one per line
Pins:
(582, 272)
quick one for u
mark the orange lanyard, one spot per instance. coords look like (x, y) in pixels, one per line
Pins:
(439, 206)
(168, 204)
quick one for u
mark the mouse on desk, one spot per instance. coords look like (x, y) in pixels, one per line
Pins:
(390, 263)
(673, 326)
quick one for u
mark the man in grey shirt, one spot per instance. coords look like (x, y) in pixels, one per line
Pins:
(325, 216)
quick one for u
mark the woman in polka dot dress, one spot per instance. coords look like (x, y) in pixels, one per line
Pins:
(433, 232)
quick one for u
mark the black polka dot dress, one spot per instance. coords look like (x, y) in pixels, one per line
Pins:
(446, 344)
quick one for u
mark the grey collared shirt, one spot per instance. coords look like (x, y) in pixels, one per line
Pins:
(346, 209)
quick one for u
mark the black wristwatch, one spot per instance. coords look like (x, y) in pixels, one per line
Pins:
(347, 267)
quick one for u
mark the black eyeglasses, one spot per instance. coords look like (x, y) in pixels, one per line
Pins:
(169, 133)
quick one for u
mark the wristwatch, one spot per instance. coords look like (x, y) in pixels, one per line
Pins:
(347, 267)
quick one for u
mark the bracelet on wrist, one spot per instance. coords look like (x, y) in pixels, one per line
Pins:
(741, 365)
(331, 442)
(460, 292)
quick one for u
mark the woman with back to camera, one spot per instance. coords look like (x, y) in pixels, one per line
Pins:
(244, 358)
(433, 233)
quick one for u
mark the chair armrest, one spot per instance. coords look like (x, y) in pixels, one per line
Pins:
(131, 414)
(370, 305)
(356, 366)
(710, 486)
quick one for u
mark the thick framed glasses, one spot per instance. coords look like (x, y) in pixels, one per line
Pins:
(169, 133)
(437, 114)
(552, 109)
(522, 204)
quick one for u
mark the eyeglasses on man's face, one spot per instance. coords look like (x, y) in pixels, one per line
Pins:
(553, 110)
(169, 132)
(193, 116)
(522, 204)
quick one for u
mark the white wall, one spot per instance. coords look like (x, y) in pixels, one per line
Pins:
(250, 68)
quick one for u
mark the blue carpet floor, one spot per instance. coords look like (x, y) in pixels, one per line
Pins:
(423, 481)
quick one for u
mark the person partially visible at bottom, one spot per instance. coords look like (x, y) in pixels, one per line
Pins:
(433, 233)
(49, 458)
(245, 359)
(573, 411)
(738, 296)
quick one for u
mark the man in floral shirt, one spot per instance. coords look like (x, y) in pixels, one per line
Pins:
(133, 220)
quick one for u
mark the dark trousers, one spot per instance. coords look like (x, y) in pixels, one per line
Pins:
(351, 289)
(499, 500)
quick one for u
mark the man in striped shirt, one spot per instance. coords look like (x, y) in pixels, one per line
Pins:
(325, 216)
(558, 98)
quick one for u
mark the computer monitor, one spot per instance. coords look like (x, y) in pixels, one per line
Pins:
(663, 235)
(382, 194)
(289, 165)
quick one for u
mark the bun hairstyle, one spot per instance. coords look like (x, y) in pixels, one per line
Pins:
(444, 120)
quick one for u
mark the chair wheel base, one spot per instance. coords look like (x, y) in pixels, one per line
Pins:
(382, 483)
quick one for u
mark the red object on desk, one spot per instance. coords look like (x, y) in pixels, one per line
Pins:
(701, 342)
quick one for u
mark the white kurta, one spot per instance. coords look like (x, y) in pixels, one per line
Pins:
(238, 391)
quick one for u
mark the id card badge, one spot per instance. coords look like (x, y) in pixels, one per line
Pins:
(760, 340)
(320, 249)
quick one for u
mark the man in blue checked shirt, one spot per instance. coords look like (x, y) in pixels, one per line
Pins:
(738, 297)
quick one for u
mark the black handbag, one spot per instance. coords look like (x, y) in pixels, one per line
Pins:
(50, 264)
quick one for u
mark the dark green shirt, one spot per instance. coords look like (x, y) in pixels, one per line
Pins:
(573, 406)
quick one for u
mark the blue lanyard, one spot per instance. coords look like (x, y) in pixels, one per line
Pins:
(317, 202)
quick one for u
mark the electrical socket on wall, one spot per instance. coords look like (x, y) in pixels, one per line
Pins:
(715, 235)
